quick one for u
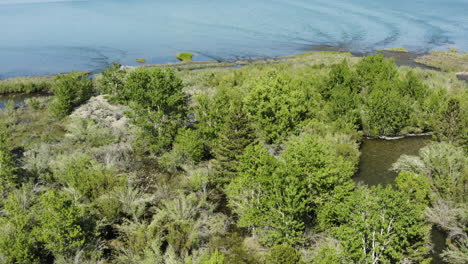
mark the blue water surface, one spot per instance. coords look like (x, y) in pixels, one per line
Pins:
(45, 37)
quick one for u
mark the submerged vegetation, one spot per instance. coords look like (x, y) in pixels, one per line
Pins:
(223, 165)
(141, 60)
(184, 56)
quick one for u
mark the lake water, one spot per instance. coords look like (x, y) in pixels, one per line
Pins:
(51, 36)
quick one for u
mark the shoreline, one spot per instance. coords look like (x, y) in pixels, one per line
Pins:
(401, 58)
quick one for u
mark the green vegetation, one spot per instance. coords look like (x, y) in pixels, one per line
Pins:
(394, 49)
(449, 61)
(29, 85)
(24, 85)
(184, 56)
(70, 90)
(231, 166)
(141, 60)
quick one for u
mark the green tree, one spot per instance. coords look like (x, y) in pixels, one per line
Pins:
(413, 87)
(275, 197)
(416, 185)
(70, 90)
(378, 225)
(279, 103)
(189, 146)
(59, 227)
(452, 122)
(112, 80)
(158, 103)
(386, 112)
(234, 137)
(17, 243)
(341, 75)
(8, 169)
(374, 69)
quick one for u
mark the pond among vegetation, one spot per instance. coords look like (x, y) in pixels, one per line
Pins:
(377, 157)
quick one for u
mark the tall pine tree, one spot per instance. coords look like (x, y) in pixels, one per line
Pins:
(234, 137)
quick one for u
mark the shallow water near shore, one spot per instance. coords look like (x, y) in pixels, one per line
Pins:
(51, 36)
(17, 99)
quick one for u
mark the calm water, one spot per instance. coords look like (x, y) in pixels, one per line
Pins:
(18, 99)
(51, 36)
(377, 157)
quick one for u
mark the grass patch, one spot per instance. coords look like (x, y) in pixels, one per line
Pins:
(184, 56)
(26, 84)
(32, 125)
(141, 60)
(30, 85)
(394, 49)
(449, 61)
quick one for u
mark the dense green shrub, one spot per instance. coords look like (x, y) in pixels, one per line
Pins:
(213, 258)
(374, 69)
(249, 165)
(159, 105)
(8, 169)
(283, 254)
(84, 175)
(279, 103)
(188, 148)
(17, 243)
(378, 225)
(386, 112)
(70, 90)
(112, 80)
(59, 227)
(275, 197)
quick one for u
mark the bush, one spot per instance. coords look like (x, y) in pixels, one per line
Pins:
(213, 258)
(8, 170)
(59, 224)
(283, 254)
(188, 148)
(159, 105)
(88, 178)
(70, 90)
(278, 104)
(34, 103)
(112, 80)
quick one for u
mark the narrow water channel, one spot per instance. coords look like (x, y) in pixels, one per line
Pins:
(377, 157)
(18, 99)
